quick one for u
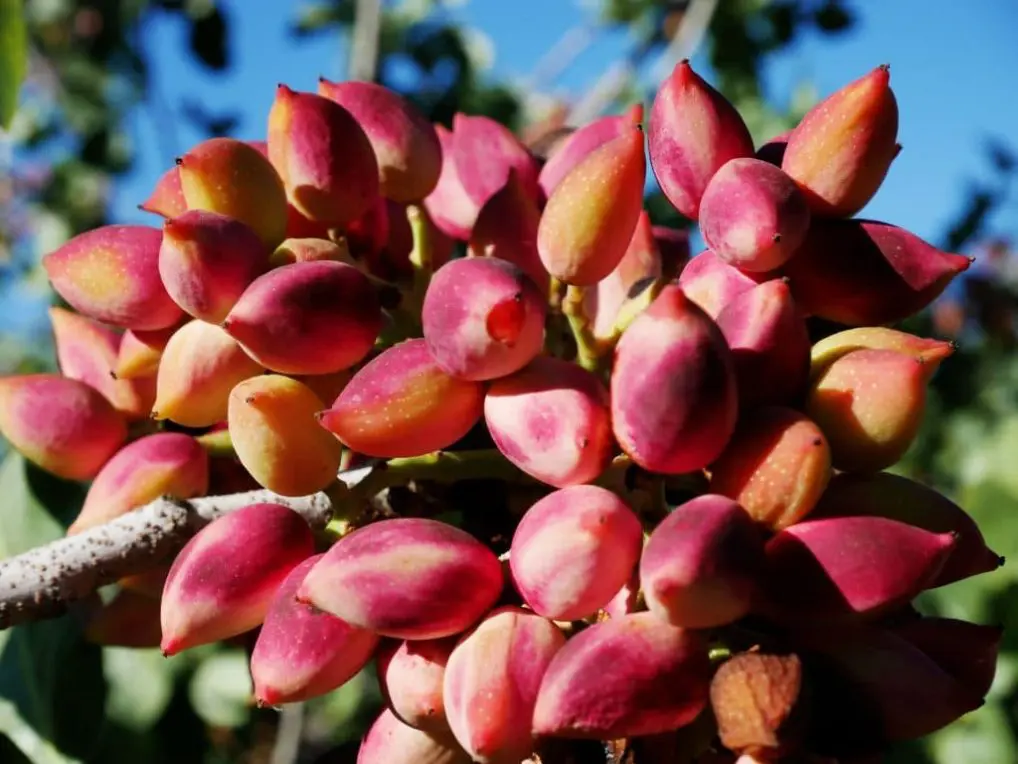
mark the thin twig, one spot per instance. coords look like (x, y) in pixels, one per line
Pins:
(561, 56)
(288, 734)
(364, 40)
(687, 38)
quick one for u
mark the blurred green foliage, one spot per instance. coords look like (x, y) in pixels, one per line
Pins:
(13, 57)
(62, 700)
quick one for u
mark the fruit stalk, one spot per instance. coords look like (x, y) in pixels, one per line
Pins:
(588, 350)
(437, 466)
(421, 256)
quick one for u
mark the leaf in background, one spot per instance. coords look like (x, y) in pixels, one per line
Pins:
(13, 57)
(37, 749)
(140, 686)
(24, 520)
(221, 690)
(214, 125)
(991, 505)
(348, 711)
(52, 690)
(52, 684)
(983, 735)
(833, 17)
(209, 39)
(320, 17)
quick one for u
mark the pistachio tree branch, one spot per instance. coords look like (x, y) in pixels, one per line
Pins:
(43, 582)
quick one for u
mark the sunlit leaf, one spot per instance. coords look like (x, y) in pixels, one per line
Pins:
(13, 57)
(221, 689)
(46, 668)
(141, 685)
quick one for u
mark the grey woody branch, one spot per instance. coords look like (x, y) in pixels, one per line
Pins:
(44, 582)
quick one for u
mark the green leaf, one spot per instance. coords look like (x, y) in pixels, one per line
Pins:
(221, 689)
(141, 686)
(983, 735)
(13, 57)
(51, 684)
(349, 710)
(36, 748)
(24, 520)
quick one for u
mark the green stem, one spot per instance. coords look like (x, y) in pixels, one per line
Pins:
(218, 443)
(556, 293)
(422, 254)
(718, 653)
(442, 467)
(438, 467)
(588, 350)
(632, 308)
(404, 326)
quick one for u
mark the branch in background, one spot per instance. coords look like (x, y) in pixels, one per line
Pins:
(561, 56)
(45, 581)
(687, 38)
(605, 91)
(363, 63)
(288, 734)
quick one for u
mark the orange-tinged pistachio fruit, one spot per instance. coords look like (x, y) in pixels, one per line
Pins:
(402, 403)
(591, 215)
(841, 150)
(277, 438)
(759, 700)
(139, 352)
(776, 466)
(302, 250)
(167, 197)
(870, 404)
(111, 274)
(929, 351)
(235, 179)
(200, 366)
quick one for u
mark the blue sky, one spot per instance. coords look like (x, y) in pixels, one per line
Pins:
(952, 68)
(951, 64)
